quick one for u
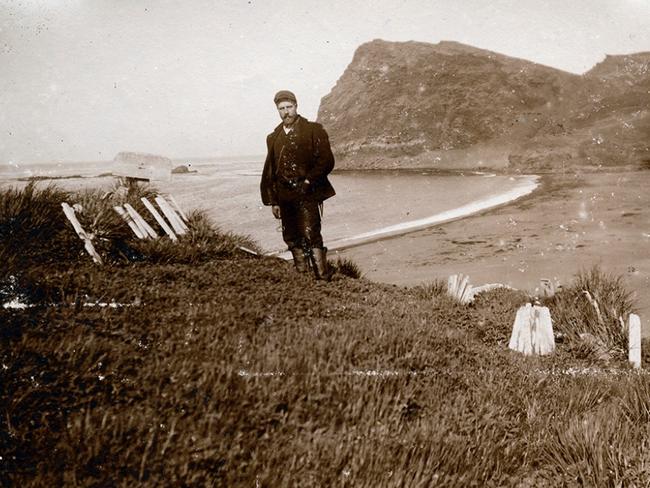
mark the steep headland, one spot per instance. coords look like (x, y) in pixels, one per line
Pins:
(448, 105)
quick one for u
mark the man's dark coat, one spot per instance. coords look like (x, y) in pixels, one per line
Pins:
(314, 158)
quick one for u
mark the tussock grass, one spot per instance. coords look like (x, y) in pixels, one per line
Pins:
(596, 303)
(34, 233)
(432, 290)
(222, 370)
(346, 267)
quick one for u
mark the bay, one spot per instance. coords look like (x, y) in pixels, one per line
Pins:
(369, 205)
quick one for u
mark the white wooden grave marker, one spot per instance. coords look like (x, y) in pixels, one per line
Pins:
(140, 221)
(175, 212)
(172, 217)
(458, 286)
(127, 218)
(159, 219)
(69, 213)
(532, 332)
(634, 340)
(178, 208)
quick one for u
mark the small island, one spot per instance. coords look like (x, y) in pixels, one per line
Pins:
(183, 169)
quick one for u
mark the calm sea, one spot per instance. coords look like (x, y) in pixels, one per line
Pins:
(367, 204)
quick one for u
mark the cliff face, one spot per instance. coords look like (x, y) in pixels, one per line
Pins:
(447, 104)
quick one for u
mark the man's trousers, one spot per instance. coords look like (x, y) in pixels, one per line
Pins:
(301, 224)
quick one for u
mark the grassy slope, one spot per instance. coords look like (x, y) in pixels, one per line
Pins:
(234, 371)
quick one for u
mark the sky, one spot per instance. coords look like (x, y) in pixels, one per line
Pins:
(81, 80)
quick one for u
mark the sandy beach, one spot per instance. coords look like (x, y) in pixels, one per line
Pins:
(571, 222)
(525, 185)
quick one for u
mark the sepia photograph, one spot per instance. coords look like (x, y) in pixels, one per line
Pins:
(288, 243)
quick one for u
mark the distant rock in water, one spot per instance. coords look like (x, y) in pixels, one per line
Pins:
(411, 104)
(142, 166)
(182, 169)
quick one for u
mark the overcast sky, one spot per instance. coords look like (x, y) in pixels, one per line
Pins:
(85, 79)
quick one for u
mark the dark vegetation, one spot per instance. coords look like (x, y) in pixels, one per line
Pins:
(212, 367)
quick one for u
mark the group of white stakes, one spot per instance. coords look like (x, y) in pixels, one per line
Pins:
(532, 331)
(175, 225)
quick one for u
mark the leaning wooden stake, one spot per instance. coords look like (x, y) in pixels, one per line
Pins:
(634, 340)
(127, 218)
(172, 217)
(69, 213)
(178, 208)
(161, 221)
(451, 283)
(458, 286)
(140, 221)
(176, 211)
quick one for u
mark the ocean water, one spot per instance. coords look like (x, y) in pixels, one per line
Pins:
(10, 171)
(368, 205)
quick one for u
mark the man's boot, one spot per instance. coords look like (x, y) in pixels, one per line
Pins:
(319, 259)
(299, 259)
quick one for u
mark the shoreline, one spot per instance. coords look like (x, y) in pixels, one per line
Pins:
(427, 213)
(570, 224)
(524, 187)
(531, 184)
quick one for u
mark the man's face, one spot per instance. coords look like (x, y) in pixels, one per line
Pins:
(287, 111)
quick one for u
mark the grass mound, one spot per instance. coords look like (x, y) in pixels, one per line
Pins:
(36, 237)
(203, 367)
(226, 373)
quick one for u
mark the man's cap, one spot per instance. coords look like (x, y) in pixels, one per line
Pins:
(284, 95)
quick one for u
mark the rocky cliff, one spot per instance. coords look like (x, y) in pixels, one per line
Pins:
(410, 104)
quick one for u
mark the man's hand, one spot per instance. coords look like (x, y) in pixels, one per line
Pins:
(276, 211)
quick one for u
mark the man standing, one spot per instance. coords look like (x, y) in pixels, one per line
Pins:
(294, 182)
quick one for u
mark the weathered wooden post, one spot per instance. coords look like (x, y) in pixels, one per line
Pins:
(178, 225)
(69, 213)
(140, 234)
(174, 212)
(461, 292)
(532, 332)
(140, 221)
(159, 219)
(520, 340)
(458, 286)
(543, 339)
(634, 340)
(451, 283)
(178, 208)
